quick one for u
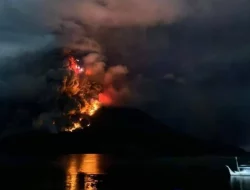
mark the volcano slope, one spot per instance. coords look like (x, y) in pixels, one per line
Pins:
(117, 131)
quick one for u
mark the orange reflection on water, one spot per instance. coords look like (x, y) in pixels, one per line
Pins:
(84, 163)
(92, 164)
(71, 174)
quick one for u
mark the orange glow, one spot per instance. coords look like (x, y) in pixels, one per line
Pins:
(74, 127)
(91, 108)
(89, 164)
(71, 175)
(105, 99)
(87, 94)
(88, 72)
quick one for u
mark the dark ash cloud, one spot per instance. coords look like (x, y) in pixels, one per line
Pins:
(202, 42)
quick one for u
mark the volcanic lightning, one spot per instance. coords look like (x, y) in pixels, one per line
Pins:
(74, 66)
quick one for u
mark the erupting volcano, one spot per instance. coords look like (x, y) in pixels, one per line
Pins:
(77, 90)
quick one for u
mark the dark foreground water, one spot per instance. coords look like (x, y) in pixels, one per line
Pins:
(97, 172)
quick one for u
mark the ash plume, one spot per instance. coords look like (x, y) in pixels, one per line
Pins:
(104, 12)
(127, 32)
(75, 91)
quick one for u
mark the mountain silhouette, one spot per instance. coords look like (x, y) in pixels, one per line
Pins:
(117, 131)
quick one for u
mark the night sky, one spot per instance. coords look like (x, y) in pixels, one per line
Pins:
(189, 60)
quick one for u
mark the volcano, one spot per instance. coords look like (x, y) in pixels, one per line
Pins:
(117, 131)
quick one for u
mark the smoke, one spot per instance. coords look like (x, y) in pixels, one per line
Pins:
(126, 32)
(72, 15)
(104, 12)
(116, 89)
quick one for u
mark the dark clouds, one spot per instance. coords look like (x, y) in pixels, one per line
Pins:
(211, 52)
(215, 65)
(202, 43)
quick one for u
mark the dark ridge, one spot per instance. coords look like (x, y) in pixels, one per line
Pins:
(117, 131)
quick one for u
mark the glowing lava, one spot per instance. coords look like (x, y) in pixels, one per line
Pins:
(91, 108)
(74, 127)
(86, 95)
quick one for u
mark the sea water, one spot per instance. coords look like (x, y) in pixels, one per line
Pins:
(100, 171)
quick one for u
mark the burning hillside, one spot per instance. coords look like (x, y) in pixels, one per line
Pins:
(78, 89)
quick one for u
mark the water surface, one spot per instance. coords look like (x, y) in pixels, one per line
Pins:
(106, 172)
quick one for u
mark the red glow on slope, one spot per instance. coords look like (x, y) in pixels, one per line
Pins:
(105, 99)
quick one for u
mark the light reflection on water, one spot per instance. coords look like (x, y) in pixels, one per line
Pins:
(87, 166)
(240, 182)
(87, 171)
(95, 172)
(71, 175)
